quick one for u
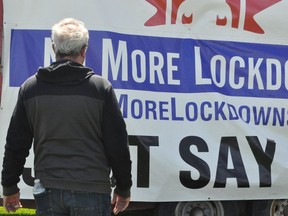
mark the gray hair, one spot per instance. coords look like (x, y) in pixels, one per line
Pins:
(69, 37)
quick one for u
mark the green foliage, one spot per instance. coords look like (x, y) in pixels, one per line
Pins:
(20, 212)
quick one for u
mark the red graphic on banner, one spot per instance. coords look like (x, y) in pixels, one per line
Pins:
(253, 7)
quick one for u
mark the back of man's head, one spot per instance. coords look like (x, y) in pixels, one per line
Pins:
(69, 37)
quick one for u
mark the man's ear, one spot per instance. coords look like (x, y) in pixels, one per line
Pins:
(83, 52)
(53, 47)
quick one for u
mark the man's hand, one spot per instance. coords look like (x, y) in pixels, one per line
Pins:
(12, 203)
(120, 203)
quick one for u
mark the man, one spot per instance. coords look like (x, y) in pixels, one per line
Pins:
(73, 119)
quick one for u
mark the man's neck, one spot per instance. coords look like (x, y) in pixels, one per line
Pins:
(77, 59)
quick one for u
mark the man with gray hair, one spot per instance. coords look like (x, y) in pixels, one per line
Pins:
(72, 117)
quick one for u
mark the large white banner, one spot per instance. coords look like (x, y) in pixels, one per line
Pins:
(202, 85)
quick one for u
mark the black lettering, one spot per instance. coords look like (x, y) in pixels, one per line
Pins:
(264, 159)
(194, 161)
(230, 144)
(143, 163)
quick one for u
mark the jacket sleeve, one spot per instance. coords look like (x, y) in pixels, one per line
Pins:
(18, 143)
(116, 144)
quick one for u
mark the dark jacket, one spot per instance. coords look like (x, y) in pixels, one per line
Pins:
(78, 131)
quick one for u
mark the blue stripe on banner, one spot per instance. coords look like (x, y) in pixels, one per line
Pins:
(26, 54)
(167, 64)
